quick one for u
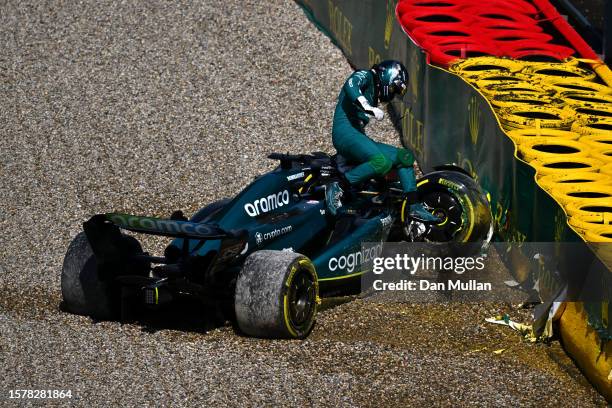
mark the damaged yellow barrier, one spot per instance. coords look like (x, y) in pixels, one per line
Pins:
(563, 105)
(584, 345)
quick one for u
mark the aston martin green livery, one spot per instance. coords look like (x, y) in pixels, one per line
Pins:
(270, 252)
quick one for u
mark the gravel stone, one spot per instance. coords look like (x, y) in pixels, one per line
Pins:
(146, 107)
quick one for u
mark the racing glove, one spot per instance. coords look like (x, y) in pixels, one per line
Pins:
(369, 109)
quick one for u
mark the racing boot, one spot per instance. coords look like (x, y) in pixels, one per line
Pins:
(333, 197)
(419, 213)
(416, 210)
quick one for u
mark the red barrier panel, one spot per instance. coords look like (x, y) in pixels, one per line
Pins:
(519, 6)
(522, 48)
(440, 30)
(446, 54)
(418, 18)
(504, 36)
(487, 13)
(439, 6)
(508, 25)
(451, 29)
(483, 43)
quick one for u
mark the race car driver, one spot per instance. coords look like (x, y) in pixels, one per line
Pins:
(357, 103)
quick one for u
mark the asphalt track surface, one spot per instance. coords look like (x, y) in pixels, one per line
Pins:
(147, 107)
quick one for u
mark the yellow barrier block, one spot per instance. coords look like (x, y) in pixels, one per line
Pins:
(602, 233)
(516, 87)
(516, 117)
(595, 209)
(593, 100)
(526, 134)
(601, 141)
(549, 147)
(603, 71)
(605, 155)
(582, 193)
(584, 223)
(559, 70)
(560, 165)
(492, 78)
(607, 169)
(520, 99)
(590, 112)
(584, 345)
(476, 66)
(593, 126)
(566, 84)
(551, 181)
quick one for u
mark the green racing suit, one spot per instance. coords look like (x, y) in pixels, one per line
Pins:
(349, 138)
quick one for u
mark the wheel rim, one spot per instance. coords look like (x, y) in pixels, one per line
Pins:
(302, 298)
(448, 209)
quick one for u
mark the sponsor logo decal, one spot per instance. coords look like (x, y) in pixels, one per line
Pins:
(349, 262)
(449, 184)
(160, 225)
(295, 176)
(261, 238)
(267, 204)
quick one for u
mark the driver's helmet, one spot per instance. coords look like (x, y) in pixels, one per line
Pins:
(392, 79)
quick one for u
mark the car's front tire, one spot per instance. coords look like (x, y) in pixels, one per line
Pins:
(276, 295)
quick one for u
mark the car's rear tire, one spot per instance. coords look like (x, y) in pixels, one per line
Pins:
(276, 295)
(83, 290)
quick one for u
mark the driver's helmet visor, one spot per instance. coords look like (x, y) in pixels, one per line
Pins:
(399, 87)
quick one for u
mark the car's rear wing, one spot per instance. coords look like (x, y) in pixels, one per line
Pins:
(169, 227)
(105, 238)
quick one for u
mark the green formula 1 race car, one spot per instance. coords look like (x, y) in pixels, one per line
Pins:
(270, 252)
